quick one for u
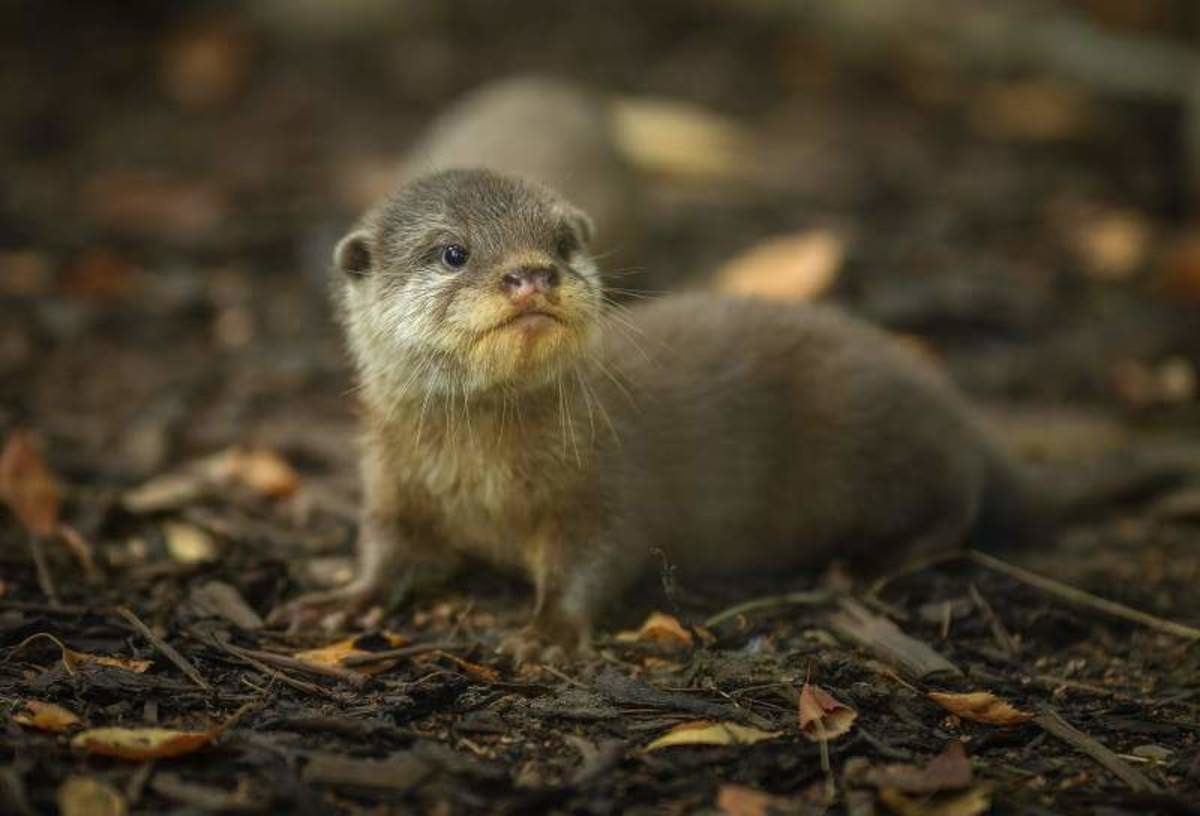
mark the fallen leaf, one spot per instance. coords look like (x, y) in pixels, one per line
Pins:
(705, 732)
(1113, 244)
(188, 544)
(46, 717)
(792, 268)
(72, 659)
(258, 469)
(336, 653)
(970, 803)
(738, 800)
(661, 630)
(1034, 110)
(85, 796)
(980, 706)
(949, 770)
(821, 716)
(674, 138)
(28, 486)
(142, 743)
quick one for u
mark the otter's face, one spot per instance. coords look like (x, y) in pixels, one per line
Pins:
(468, 281)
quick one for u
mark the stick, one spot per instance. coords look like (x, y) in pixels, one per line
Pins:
(1052, 723)
(285, 662)
(167, 649)
(403, 651)
(277, 674)
(44, 578)
(999, 630)
(812, 598)
(1082, 598)
(884, 638)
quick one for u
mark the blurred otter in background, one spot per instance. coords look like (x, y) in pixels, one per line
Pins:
(550, 131)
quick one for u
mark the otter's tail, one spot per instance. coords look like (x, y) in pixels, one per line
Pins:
(1024, 504)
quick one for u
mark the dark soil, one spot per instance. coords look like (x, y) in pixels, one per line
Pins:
(163, 260)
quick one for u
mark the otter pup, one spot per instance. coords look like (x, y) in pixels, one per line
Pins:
(513, 414)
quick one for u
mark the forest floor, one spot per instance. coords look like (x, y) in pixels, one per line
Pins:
(167, 353)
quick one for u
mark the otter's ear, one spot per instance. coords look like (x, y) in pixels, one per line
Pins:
(581, 222)
(352, 256)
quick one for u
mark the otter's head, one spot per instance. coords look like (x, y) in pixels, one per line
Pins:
(466, 281)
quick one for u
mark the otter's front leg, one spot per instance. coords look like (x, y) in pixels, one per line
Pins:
(573, 588)
(391, 564)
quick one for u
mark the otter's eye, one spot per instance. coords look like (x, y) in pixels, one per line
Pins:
(567, 244)
(455, 256)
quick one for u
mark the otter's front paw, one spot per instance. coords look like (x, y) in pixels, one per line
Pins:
(534, 644)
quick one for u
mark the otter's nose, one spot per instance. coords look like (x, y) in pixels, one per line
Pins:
(522, 284)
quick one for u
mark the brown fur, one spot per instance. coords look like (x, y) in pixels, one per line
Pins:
(734, 435)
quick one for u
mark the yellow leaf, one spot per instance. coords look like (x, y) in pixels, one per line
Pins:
(705, 732)
(259, 469)
(84, 796)
(188, 544)
(661, 630)
(46, 717)
(969, 803)
(792, 268)
(28, 486)
(336, 653)
(821, 716)
(738, 800)
(142, 743)
(674, 138)
(980, 706)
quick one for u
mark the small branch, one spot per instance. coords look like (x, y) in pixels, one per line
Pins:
(1082, 598)
(286, 662)
(44, 577)
(1052, 723)
(168, 651)
(999, 630)
(404, 651)
(812, 598)
(258, 665)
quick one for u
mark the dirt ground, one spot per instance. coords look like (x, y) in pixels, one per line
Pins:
(173, 182)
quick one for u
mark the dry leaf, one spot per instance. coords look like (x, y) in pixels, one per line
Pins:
(970, 803)
(142, 743)
(674, 138)
(704, 732)
(85, 796)
(46, 717)
(28, 486)
(258, 469)
(72, 659)
(738, 800)
(821, 716)
(1113, 244)
(188, 544)
(980, 706)
(661, 630)
(792, 268)
(336, 653)
(949, 770)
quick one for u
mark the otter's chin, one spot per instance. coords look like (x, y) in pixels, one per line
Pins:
(528, 350)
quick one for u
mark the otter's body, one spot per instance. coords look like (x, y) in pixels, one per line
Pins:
(513, 416)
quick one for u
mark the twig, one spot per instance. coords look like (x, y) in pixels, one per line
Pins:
(168, 651)
(1053, 724)
(286, 662)
(403, 651)
(44, 577)
(1079, 596)
(812, 598)
(999, 630)
(854, 622)
(277, 674)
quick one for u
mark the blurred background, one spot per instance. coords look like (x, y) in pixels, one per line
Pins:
(1010, 186)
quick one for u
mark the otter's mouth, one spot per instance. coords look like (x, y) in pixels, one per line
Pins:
(528, 319)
